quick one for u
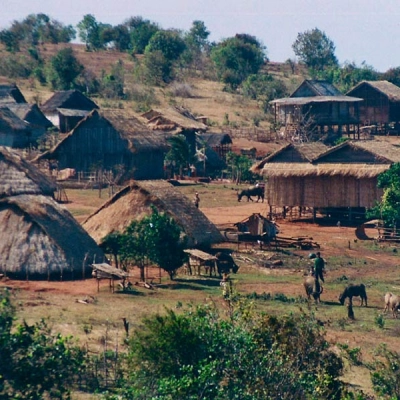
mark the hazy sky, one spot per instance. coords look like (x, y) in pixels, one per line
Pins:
(362, 30)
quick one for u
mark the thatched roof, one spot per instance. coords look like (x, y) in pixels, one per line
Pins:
(318, 88)
(20, 177)
(11, 94)
(137, 135)
(40, 239)
(9, 121)
(67, 112)
(301, 101)
(173, 118)
(72, 99)
(390, 90)
(134, 202)
(215, 139)
(30, 113)
(383, 152)
(304, 151)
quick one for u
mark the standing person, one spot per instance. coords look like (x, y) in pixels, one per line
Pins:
(197, 200)
(319, 266)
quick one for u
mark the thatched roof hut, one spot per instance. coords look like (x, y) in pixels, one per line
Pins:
(342, 176)
(13, 131)
(135, 201)
(11, 94)
(109, 138)
(20, 177)
(39, 239)
(381, 103)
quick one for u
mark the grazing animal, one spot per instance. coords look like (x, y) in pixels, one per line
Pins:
(313, 288)
(354, 291)
(226, 263)
(252, 191)
(392, 302)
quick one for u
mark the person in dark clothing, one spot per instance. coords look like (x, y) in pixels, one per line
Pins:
(319, 267)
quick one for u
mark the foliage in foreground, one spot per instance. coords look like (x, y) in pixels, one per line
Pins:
(34, 362)
(200, 354)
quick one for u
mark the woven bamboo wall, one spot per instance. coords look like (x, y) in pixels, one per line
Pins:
(337, 191)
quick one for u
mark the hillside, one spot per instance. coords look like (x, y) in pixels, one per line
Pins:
(203, 97)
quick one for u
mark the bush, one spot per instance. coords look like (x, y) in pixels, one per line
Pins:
(182, 90)
(201, 354)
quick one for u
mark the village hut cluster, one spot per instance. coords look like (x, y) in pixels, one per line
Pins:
(307, 173)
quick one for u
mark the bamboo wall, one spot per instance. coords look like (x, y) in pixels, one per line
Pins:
(322, 192)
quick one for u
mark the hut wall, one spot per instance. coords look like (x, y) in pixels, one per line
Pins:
(375, 107)
(15, 139)
(67, 123)
(323, 191)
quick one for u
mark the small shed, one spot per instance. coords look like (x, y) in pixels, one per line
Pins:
(107, 271)
(258, 227)
(199, 259)
(380, 106)
(55, 109)
(221, 143)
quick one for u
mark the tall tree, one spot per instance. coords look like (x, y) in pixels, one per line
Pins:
(196, 41)
(315, 49)
(179, 153)
(140, 30)
(89, 31)
(169, 43)
(63, 69)
(238, 57)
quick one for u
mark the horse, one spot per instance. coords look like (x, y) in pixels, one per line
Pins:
(252, 191)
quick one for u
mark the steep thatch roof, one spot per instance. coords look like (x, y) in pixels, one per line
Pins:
(306, 152)
(20, 177)
(11, 94)
(39, 239)
(72, 99)
(301, 101)
(318, 88)
(11, 122)
(173, 118)
(134, 202)
(318, 165)
(30, 113)
(216, 139)
(390, 90)
(137, 135)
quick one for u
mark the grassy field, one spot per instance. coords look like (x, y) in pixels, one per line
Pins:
(276, 290)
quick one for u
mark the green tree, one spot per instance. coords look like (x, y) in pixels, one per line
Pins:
(63, 69)
(179, 153)
(238, 57)
(388, 208)
(239, 167)
(35, 363)
(89, 31)
(141, 31)
(263, 88)
(111, 244)
(169, 43)
(315, 49)
(196, 41)
(392, 75)
(10, 40)
(112, 84)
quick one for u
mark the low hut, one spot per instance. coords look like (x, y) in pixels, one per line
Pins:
(135, 201)
(313, 175)
(39, 239)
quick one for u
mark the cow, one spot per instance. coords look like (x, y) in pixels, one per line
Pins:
(252, 191)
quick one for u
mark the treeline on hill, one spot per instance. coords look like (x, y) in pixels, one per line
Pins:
(169, 55)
